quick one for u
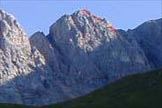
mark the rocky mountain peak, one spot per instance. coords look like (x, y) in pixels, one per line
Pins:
(81, 53)
(11, 30)
(149, 37)
(86, 13)
(83, 12)
(82, 29)
(22, 67)
(96, 20)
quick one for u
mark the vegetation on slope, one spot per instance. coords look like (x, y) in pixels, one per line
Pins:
(136, 91)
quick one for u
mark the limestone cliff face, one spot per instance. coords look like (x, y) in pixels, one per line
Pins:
(24, 76)
(83, 37)
(81, 53)
(149, 38)
(39, 41)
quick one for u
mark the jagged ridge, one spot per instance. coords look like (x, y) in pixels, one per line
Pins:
(81, 53)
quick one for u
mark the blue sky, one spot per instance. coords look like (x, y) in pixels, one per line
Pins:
(38, 15)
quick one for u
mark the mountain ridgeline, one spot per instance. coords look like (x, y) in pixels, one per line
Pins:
(81, 53)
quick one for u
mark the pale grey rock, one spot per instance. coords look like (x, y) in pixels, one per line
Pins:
(149, 37)
(81, 53)
(25, 78)
(68, 73)
(98, 41)
(40, 41)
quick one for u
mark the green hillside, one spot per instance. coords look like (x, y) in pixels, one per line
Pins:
(136, 91)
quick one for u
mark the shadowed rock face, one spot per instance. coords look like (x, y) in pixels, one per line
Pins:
(25, 77)
(149, 38)
(83, 35)
(81, 53)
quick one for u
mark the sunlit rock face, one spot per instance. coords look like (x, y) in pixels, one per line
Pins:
(82, 29)
(11, 30)
(83, 37)
(24, 76)
(81, 53)
(40, 41)
(14, 47)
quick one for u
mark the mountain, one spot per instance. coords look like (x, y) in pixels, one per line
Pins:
(24, 75)
(135, 91)
(83, 37)
(81, 53)
(149, 36)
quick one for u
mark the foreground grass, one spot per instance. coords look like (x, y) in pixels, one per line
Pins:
(136, 91)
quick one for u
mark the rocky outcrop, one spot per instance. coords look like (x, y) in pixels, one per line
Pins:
(24, 76)
(81, 53)
(82, 34)
(149, 37)
(39, 41)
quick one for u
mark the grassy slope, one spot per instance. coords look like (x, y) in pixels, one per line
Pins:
(136, 91)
